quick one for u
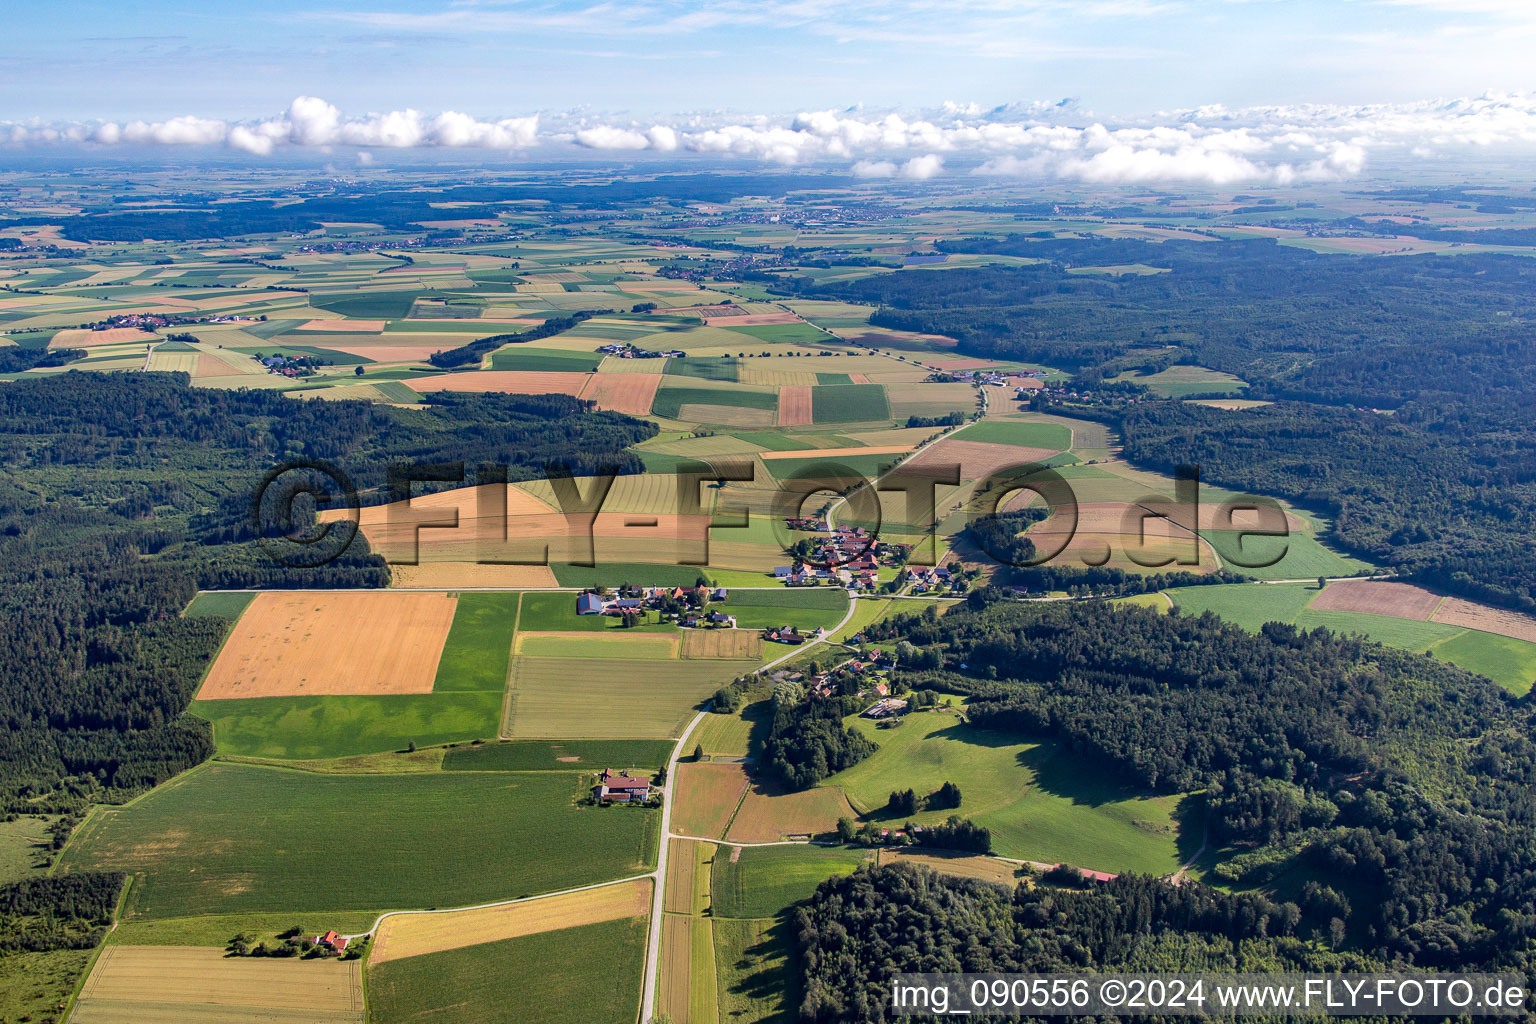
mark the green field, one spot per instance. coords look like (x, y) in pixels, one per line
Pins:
(670, 400)
(620, 643)
(611, 699)
(835, 469)
(324, 727)
(849, 403)
(796, 334)
(1248, 605)
(756, 981)
(801, 607)
(376, 305)
(557, 755)
(1297, 556)
(479, 645)
(833, 378)
(706, 367)
(34, 985)
(216, 929)
(228, 606)
(585, 975)
(1022, 434)
(1251, 605)
(228, 838)
(765, 880)
(1509, 662)
(518, 357)
(1041, 803)
(612, 574)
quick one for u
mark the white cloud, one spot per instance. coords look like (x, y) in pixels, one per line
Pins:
(1211, 144)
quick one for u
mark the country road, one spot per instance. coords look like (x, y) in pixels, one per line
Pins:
(658, 896)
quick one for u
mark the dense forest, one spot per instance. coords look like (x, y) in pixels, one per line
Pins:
(859, 930)
(69, 911)
(1402, 780)
(123, 494)
(1401, 385)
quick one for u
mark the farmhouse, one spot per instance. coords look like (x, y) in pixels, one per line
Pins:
(885, 708)
(331, 941)
(589, 604)
(620, 788)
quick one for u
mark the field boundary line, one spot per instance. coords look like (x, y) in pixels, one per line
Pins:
(496, 904)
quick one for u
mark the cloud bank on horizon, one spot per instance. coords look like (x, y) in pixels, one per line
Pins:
(1208, 145)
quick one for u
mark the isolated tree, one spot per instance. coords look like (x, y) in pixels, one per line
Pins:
(358, 372)
(845, 830)
(698, 752)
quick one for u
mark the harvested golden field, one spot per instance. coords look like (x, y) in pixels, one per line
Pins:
(706, 795)
(1378, 597)
(470, 576)
(617, 364)
(81, 338)
(859, 378)
(512, 382)
(766, 377)
(200, 985)
(311, 644)
(957, 362)
(734, 644)
(833, 453)
(767, 818)
(630, 393)
(795, 406)
(959, 865)
(173, 362)
(682, 868)
(340, 326)
(724, 415)
(674, 988)
(408, 935)
(1457, 612)
(391, 353)
(745, 319)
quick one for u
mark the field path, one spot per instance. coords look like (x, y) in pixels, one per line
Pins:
(658, 893)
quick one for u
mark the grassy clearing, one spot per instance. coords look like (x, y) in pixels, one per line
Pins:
(766, 880)
(849, 403)
(1407, 634)
(755, 978)
(228, 606)
(1041, 803)
(1023, 434)
(733, 735)
(611, 699)
(1183, 381)
(1509, 662)
(558, 755)
(34, 985)
(24, 843)
(223, 839)
(585, 975)
(328, 727)
(479, 643)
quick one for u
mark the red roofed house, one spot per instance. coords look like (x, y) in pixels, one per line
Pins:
(618, 788)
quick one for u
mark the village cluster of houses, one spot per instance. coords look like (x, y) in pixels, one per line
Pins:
(934, 579)
(624, 350)
(290, 366)
(150, 321)
(620, 787)
(687, 606)
(852, 554)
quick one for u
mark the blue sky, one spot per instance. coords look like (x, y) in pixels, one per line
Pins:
(1219, 92)
(88, 60)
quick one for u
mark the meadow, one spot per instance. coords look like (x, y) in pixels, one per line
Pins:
(802, 607)
(558, 755)
(1020, 433)
(223, 839)
(849, 403)
(1041, 803)
(765, 880)
(547, 977)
